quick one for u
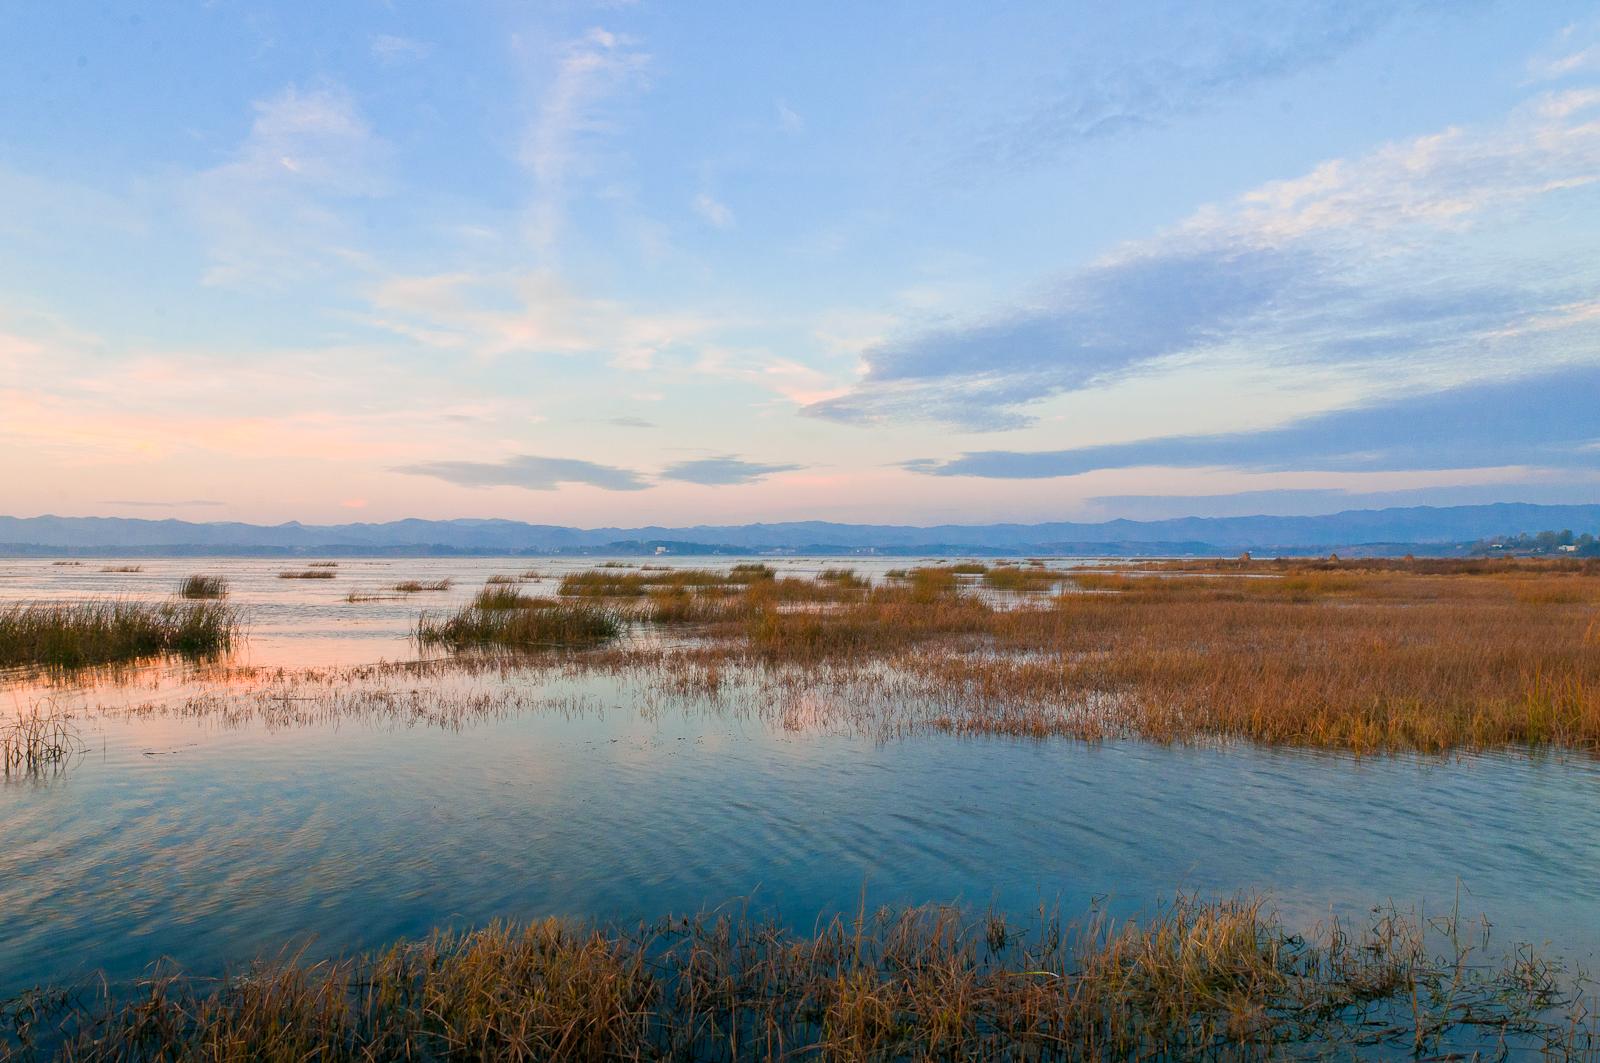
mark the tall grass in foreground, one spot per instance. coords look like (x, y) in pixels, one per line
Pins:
(1194, 981)
(203, 587)
(100, 632)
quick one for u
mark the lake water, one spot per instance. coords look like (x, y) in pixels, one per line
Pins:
(213, 839)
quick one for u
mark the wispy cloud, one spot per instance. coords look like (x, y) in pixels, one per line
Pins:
(528, 471)
(630, 422)
(1111, 93)
(722, 471)
(789, 119)
(715, 213)
(1576, 50)
(1545, 421)
(389, 48)
(151, 504)
(491, 315)
(571, 118)
(1395, 259)
(270, 212)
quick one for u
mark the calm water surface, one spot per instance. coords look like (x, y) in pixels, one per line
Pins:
(213, 843)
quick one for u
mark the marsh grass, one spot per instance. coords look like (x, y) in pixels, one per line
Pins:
(1194, 980)
(322, 564)
(412, 586)
(38, 737)
(610, 583)
(1364, 656)
(123, 568)
(505, 618)
(310, 573)
(103, 631)
(843, 577)
(1020, 578)
(203, 587)
(496, 597)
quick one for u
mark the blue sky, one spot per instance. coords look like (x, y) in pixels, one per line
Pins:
(622, 263)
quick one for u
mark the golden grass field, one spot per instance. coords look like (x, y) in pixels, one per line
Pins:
(1363, 656)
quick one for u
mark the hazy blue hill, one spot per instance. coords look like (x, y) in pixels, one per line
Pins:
(1419, 525)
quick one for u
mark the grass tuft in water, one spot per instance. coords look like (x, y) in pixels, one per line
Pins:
(504, 617)
(843, 577)
(203, 587)
(414, 586)
(100, 632)
(310, 573)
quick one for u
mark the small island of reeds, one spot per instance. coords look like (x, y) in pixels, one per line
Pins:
(203, 587)
(503, 616)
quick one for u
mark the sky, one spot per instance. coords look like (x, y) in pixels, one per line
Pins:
(612, 263)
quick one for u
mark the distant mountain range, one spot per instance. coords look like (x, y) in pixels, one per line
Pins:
(1417, 529)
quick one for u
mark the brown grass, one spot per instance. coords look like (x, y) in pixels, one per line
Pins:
(203, 587)
(310, 573)
(1195, 980)
(412, 586)
(38, 737)
(502, 616)
(1359, 655)
(103, 631)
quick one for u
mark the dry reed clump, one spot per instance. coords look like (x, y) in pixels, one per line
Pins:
(100, 632)
(123, 568)
(843, 577)
(413, 586)
(310, 573)
(203, 587)
(322, 564)
(1195, 980)
(499, 596)
(38, 737)
(681, 605)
